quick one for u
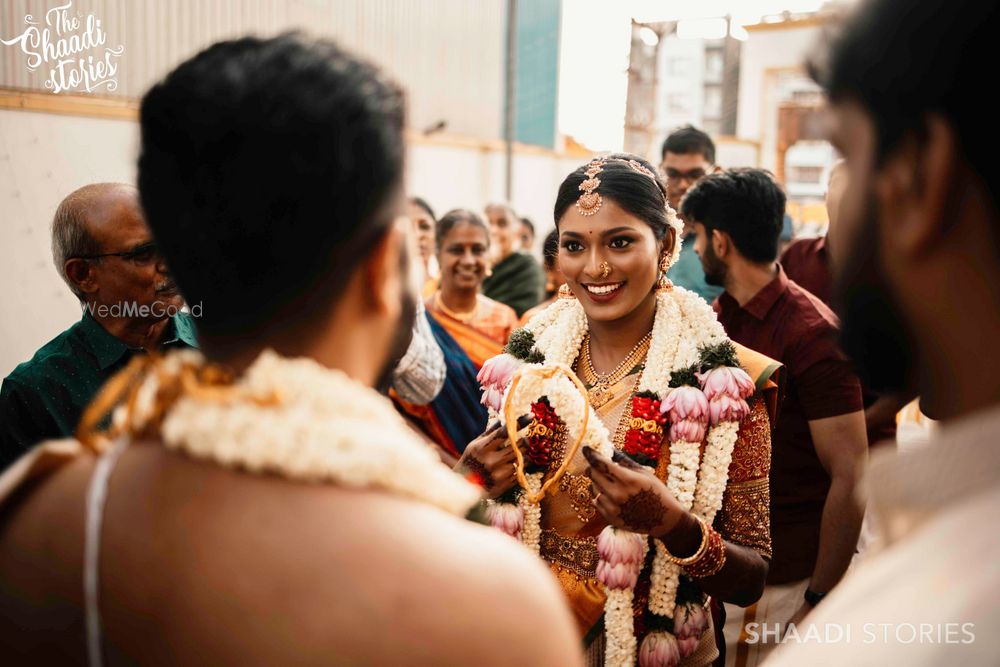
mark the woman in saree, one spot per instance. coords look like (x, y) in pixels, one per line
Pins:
(625, 330)
(469, 328)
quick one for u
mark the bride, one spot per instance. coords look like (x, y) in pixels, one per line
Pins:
(682, 482)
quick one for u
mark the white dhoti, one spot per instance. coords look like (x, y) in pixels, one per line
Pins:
(752, 633)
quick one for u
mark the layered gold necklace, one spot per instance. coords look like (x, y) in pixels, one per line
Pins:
(600, 391)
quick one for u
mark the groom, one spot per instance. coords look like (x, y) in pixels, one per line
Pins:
(271, 174)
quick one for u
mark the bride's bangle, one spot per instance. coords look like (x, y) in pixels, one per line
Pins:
(683, 562)
(708, 559)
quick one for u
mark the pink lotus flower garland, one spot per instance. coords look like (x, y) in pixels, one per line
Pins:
(621, 555)
(495, 377)
(507, 517)
(690, 623)
(726, 389)
(659, 649)
(687, 408)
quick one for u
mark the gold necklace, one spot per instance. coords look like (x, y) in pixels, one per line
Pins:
(600, 385)
(461, 317)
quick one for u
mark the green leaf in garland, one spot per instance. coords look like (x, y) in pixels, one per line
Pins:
(645, 393)
(521, 345)
(689, 592)
(721, 354)
(511, 495)
(685, 376)
(655, 622)
(477, 514)
(535, 357)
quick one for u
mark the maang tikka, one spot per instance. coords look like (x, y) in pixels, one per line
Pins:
(590, 201)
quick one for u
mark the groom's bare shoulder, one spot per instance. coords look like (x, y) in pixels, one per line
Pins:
(380, 579)
(443, 590)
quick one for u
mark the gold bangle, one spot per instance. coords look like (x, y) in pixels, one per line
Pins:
(713, 560)
(705, 533)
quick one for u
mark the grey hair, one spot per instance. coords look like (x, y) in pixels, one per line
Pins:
(507, 208)
(71, 236)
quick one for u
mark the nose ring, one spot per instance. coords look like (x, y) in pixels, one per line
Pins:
(605, 270)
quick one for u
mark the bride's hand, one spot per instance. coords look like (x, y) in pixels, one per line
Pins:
(491, 461)
(630, 496)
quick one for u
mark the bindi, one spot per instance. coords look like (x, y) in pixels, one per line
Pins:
(643, 511)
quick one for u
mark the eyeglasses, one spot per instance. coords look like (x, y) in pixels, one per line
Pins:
(689, 176)
(145, 253)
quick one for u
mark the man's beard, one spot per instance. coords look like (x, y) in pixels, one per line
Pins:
(714, 268)
(872, 330)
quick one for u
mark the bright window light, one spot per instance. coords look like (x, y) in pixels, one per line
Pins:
(702, 28)
(648, 36)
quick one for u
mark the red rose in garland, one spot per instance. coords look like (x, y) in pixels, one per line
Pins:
(543, 434)
(645, 433)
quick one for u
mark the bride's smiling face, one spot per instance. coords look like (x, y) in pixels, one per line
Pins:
(629, 247)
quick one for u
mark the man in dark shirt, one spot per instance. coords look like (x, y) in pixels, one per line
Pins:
(807, 262)
(516, 278)
(104, 252)
(819, 446)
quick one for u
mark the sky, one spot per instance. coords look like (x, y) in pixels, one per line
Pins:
(594, 48)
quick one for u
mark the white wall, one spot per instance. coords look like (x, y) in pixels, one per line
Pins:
(44, 157)
(770, 59)
(768, 49)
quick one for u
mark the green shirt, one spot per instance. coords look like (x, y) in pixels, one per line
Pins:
(517, 281)
(43, 398)
(689, 274)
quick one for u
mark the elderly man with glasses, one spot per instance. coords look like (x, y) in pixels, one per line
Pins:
(103, 250)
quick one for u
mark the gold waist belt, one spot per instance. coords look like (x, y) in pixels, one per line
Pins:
(576, 554)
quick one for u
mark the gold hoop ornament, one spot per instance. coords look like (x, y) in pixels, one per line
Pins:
(545, 372)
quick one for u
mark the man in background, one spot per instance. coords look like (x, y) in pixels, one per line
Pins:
(807, 262)
(819, 448)
(916, 269)
(105, 253)
(687, 155)
(516, 279)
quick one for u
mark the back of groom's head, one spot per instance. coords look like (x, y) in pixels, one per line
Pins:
(269, 170)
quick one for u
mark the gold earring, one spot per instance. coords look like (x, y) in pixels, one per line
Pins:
(565, 292)
(605, 270)
(664, 284)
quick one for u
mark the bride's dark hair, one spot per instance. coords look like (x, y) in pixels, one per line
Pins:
(637, 193)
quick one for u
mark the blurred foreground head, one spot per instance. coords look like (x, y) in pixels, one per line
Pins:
(270, 172)
(917, 267)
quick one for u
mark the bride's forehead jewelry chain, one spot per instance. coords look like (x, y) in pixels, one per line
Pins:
(590, 201)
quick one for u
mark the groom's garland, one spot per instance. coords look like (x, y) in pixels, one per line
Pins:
(691, 389)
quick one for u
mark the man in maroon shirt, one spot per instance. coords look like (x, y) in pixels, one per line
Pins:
(819, 446)
(807, 262)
